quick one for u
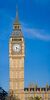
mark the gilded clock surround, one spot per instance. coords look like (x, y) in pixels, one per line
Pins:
(17, 53)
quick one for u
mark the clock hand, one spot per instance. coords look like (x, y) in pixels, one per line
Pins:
(16, 48)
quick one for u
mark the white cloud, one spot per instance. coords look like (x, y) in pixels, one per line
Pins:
(36, 33)
(33, 33)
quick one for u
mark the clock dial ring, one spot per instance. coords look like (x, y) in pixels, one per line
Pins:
(16, 47)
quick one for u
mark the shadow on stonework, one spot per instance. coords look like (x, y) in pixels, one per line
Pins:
(34, 98)
(11, 96)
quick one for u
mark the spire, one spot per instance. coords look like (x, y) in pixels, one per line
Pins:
(16, 13)
(17, 18)
(16, 26)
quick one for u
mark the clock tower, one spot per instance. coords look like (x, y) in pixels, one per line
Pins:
(16, 60)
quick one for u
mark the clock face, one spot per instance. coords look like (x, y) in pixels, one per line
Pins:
(16, 48)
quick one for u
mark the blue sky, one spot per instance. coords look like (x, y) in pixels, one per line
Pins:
(34, 16)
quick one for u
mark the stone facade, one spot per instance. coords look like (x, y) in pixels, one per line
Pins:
(16, 63)
(43, 93)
